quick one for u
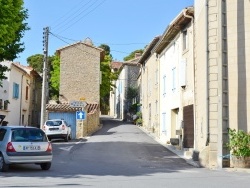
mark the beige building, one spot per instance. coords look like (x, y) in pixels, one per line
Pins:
(222, 82)
(20, 96)
(176, 94)
(149, 93)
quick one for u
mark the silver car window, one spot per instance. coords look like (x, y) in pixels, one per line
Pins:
(22, 135)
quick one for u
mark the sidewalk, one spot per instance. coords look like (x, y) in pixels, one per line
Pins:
(189, 160)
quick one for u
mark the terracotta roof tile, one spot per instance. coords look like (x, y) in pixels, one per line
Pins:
(90, 108)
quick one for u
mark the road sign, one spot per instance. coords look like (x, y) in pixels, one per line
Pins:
(80, 115)
(81, 104)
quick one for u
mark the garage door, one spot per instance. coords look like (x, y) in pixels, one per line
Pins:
(188, 132)
(70, 117)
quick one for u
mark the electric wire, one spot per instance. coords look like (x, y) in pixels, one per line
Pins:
(61, 38)
(72, 22)
(68, 14)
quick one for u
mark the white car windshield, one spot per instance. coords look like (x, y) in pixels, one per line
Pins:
(54, 123)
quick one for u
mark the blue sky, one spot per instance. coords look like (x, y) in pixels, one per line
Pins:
(124, 25)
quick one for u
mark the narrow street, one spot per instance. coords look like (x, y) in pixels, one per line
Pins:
(118, 155)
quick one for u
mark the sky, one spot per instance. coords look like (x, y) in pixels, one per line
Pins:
(123, 25)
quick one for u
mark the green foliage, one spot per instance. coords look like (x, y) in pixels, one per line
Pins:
(132, 55)
(12, 28)
(139, 120)
(132, 93)
(3, 69)
(55, 77)
(36, 62)
(107, 78)
(239, 143)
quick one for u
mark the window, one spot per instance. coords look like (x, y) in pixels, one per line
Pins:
(5, 104)
(1, 104)
(185, 40)
(27, 93)
(164, 84)
(156, 77)
(173, 79)
(156, 107)
(15, 90)
(2, 133)
(164, 128)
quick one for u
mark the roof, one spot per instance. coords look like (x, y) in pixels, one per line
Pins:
(177, 25)
(102, 52)
(116, 65)
(147, 52)
(29, 70)
(90, 108)
(132, 62)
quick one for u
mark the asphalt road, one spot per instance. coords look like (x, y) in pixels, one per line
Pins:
(119, 155)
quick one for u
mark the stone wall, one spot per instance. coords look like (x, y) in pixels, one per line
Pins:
(80, 73)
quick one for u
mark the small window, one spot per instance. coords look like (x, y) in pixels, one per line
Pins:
(174, 79)
(15, 90)
(27, 93)
(185, 40)
(5, 104)
(1, 104)
(2, 133)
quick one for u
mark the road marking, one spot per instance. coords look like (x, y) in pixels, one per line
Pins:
(68, 148)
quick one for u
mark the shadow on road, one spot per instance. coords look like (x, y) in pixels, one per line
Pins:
(118, 149)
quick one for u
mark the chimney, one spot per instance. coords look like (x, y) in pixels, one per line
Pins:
(137, 54)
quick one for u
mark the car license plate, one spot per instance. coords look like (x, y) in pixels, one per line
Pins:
(31, 147)
(53, 129)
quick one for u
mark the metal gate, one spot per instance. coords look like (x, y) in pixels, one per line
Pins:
(188, 132)
(69, 117)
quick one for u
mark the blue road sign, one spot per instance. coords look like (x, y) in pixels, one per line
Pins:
(80, 115)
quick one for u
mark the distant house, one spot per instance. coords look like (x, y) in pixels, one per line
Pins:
(80, 80)
(115, 67)
(126, 81)
(20, 96)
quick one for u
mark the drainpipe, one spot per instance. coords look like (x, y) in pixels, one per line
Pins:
(207, 74)
(21, 98)
(192, 21)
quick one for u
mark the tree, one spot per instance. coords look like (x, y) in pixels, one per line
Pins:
(55, 77)
(36, 62)
(132, 54)
(107, 77)
(12, 28)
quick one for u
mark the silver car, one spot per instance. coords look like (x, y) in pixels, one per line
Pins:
(21, 145)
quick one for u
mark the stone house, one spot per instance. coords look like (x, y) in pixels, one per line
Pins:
(222, 82)
(20, 96)
(80, 80)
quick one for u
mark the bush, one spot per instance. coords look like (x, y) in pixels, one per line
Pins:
(239, 143)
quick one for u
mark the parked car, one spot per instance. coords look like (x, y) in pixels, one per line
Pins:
(57, 128)
(22, 145)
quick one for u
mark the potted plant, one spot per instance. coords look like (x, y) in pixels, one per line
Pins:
(239, 145)
(139, 119)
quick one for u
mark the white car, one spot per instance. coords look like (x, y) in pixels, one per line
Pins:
(57, 128)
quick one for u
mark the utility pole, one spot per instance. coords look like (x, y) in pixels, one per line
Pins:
(45, 82)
